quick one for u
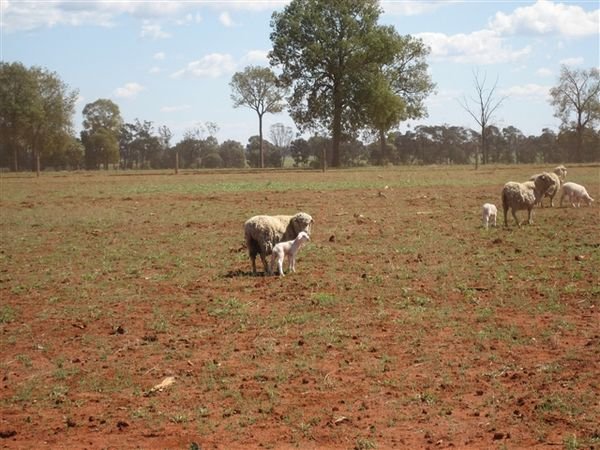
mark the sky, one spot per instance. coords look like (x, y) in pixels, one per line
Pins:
(171, 62)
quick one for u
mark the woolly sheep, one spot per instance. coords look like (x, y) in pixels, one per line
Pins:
(552, 189)
(489, 212)
(521, 196)
(576, 193)
(289, 249)
(263, 232)
(561, 171)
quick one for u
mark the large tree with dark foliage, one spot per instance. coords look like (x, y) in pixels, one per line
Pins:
(329, 52)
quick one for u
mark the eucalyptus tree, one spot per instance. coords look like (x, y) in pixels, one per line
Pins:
(576, 102)
(330, 54)
(257, 88)
(399, 88)
(101, 130)
(36, 111)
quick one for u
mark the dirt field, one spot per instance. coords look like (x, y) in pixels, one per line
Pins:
(407, 325)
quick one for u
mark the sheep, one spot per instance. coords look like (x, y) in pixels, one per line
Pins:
(561, 171)
(289, 248)
(489, 212)
(552, 189)
(520, 196)
(576, 193)
(263, 232)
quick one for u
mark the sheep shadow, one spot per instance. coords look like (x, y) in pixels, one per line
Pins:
(243, 273)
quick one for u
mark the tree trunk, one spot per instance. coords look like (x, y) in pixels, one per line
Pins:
(176, 162)
(16, 159)
(383, 142)
(260, 142)
(336, 128)
(37, 164)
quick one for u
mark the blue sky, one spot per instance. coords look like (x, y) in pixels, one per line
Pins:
(171, 62)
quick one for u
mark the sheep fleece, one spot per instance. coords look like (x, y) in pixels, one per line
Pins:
(266, 231)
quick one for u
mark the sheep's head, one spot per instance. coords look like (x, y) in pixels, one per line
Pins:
(561, 171)
(542, 182)
(302, 222)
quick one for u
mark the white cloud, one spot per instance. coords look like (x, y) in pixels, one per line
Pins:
(30, 15)
(256, 57)
(170, 109)
(160, 56)
(480, 47)
(572, 61)
(155, 69)
(411, 7)
(546, 17)
(529, 91)
(130, 90)
(544, 72)
(213, 65)
(226, 20)
(153, 31)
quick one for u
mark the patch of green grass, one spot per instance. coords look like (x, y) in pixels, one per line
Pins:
(7, 314)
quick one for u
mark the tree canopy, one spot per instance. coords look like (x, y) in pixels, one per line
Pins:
(576, 102)
(36, 113)
(257, 89)
(338, 62)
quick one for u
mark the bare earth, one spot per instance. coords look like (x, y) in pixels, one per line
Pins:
(407, 325)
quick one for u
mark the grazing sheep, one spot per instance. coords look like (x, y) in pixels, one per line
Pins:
(263, 232)
(289, 248)
(561, 171)
(552, 189)
(520, 196)
(489, 212)
(576, 193)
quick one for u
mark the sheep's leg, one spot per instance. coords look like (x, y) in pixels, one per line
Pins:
(292, 263)
(529, 216)
(514, 214)
(280, 266)
(263, 257)
(253, 261)
(505, 215)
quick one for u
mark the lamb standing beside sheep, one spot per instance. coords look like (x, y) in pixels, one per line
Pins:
(576, 193)
(263, 232)
(289, 249)
(521, 196)
(488, 213)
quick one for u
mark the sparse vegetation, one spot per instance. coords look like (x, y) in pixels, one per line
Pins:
(407, 324)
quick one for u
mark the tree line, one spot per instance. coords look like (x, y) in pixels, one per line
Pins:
(345, 79)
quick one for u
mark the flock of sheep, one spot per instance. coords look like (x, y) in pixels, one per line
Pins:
(281, 236)
(524, 196)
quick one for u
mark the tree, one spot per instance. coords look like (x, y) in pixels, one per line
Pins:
(232, 154)
(398, 90)
(300, 151)
(578, 95)
(100, 136)
(36, 111)
(327, 52)
(257, 89)
(281, 136)
(481, 109)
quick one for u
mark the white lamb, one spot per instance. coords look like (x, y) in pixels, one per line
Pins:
(489, 213)
(576, 194)
(289, 248)
(263, 232)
